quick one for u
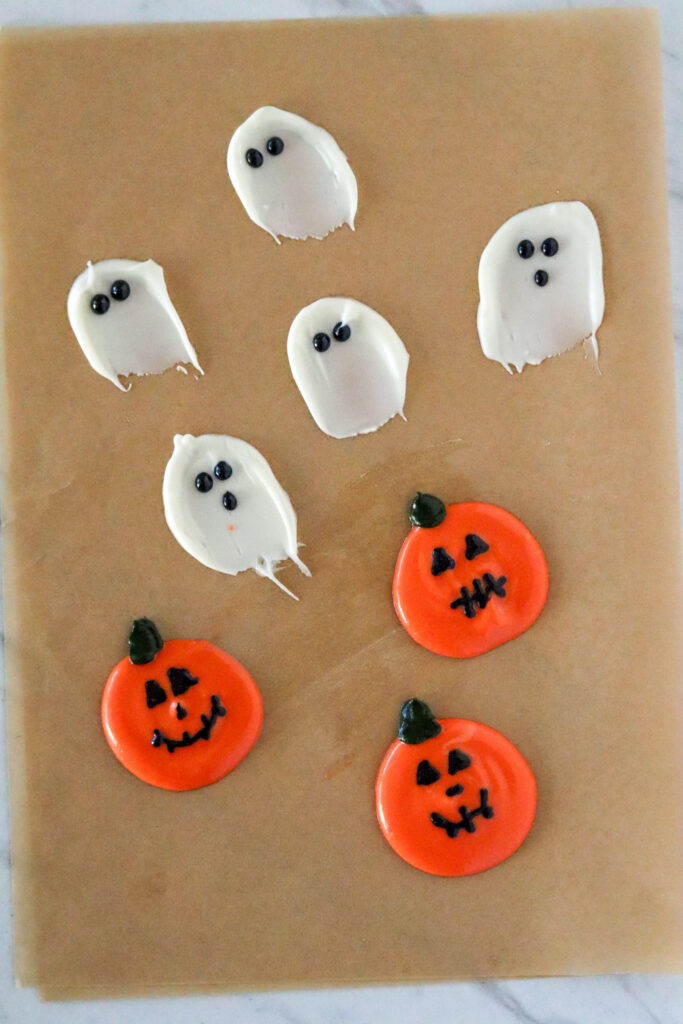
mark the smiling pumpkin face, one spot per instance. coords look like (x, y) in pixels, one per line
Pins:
(180, 714)
(453, 797)
(468, 578)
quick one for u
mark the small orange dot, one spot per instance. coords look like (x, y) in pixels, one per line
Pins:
(231, 527)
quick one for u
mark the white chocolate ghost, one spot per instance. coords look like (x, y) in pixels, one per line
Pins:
(540, 285)
(224, 506)
(349, 365)
(125, 322)
(291, 176)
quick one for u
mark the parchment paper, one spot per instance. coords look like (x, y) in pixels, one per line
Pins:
(114, 146)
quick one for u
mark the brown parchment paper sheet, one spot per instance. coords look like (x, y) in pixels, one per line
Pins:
(114, 145)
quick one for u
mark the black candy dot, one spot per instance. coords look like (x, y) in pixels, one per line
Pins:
(222, 470)
(321, 342)
(253, 158)
(541, 278)
(275, 145)
(99, 304)
(120, 290)
(342, 332)
(525, 249)
(549, 246)
(203, 482)
(229, 501)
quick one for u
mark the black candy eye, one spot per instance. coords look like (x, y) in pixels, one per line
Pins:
(342, 332)
(222, 470)
(154, 693)
(474, 545)
(441, 561)
(549, 246)
(181, 680)
(253, 158)
(120, 290)
(525, 249)
(426, 774)
(203, 482)
(275, 145)
(458, 760)
(99, 304)
(229, 501)
(321, 342)
(541, 278)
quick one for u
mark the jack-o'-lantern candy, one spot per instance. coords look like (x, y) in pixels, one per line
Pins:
(180, 714)
(468, 578)
(453, 797)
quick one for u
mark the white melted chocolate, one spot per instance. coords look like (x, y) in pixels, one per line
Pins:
(139, 334)
(349, 365)
(540, 304)
(291, 176)
(225, 507)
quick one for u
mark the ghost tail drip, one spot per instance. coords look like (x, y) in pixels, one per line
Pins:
(267, 569)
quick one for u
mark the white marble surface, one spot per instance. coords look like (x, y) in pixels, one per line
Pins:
(617, 1000)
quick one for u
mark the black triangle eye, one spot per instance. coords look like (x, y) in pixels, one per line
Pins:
(474, 546)
(441, 561)
(427, 774)
(181, 680)
(458, 761)
(154, 693)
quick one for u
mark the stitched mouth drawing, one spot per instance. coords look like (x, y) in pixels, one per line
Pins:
(208, 722)
(483, 589)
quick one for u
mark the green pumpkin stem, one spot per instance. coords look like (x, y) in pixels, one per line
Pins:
(416, 722)
(426, 511)
(144, 642)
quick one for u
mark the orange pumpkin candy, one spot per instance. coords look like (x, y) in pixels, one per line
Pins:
(468, 578)
(453, 797)
(180, 714)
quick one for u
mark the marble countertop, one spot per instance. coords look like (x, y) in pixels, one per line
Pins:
(632, 999)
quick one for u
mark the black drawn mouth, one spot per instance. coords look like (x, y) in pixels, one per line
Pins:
(208, 722)
(483, 589)
(466, 820)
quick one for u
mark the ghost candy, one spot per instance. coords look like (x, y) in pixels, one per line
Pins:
(349, 365)
(291, 176)
(125, 322)
(540, 285)
(224, 506)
